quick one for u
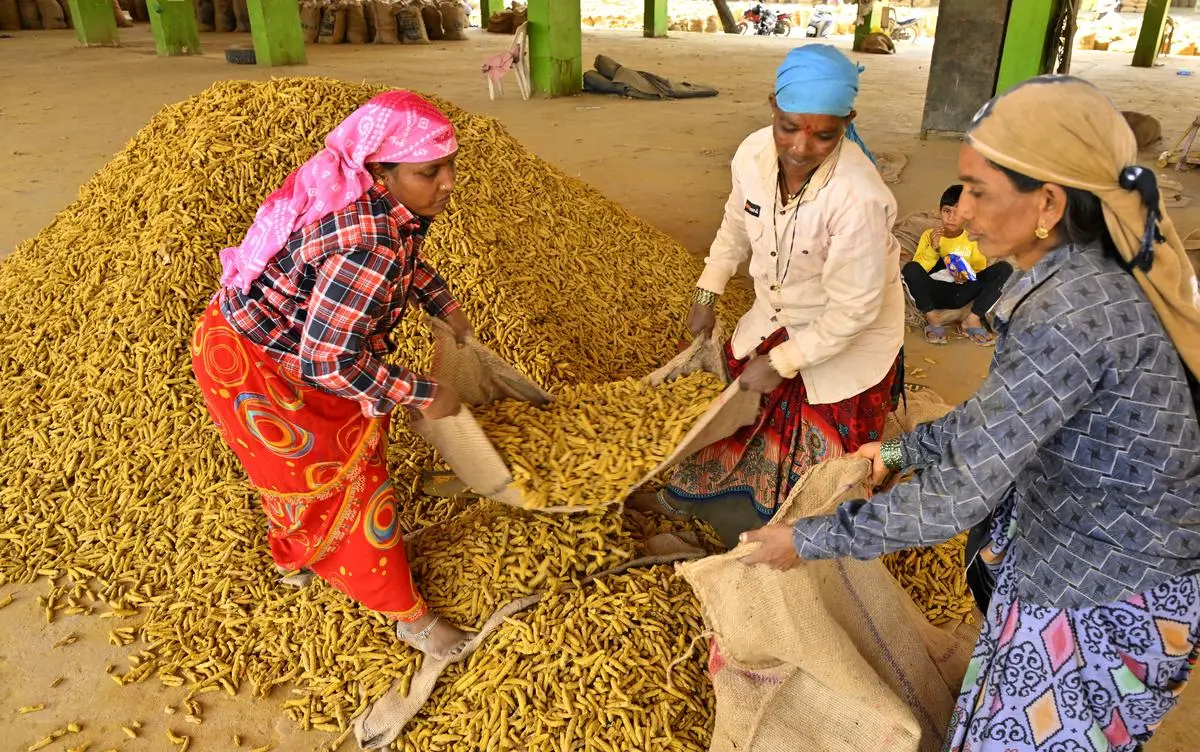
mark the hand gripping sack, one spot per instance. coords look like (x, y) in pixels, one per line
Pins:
(830, 656)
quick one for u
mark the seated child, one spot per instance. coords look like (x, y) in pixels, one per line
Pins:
(934, 287)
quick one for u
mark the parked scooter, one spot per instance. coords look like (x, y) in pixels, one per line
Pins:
(820, 25)
(904, 29)
(759, 20)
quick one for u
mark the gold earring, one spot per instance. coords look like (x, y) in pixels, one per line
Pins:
(1041, 232)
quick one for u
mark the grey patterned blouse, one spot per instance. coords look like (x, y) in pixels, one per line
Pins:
(1085, 427)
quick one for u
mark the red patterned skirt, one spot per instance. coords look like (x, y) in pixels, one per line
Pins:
(319, 464)
(764, 460)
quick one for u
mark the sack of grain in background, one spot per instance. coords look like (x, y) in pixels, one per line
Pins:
(121, 16)
(356, 23)
(52, 15)
(27, 10)
(369, 19)
(65, 6)
(225, 20)
(454, 21)
(206, 15)
(384, 14)
(242, 14)
(333, 25)
(141, 12)
(432, 16)
(520, 15)
(411, 25)
(10, 15)
(501, 22)
(310, 21)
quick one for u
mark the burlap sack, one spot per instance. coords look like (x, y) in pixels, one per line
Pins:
(479, 376)
(242, 14)
(410, 24)
(27, 10)
(916, 408)
(369, 18)
(431, 15)
(454, 21)
(476, 374)
(501, 22)
(333, 26)
(830, 656)
(206, 15)
(65, 7)
(384, 15)
(383, 722)
(51, 14)
(704, 354)
(356, 24)
(224, 19)
(10, 15)
(310, 22)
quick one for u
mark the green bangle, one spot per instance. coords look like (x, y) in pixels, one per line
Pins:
(704, 297)
(892, 455)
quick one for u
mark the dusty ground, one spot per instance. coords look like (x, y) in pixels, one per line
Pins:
(65, 110)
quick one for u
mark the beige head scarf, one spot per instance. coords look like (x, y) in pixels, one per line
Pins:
(1063, 130)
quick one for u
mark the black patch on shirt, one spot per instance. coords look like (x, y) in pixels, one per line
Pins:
(753, 209)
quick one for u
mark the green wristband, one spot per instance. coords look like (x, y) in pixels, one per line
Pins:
(704, 297)
(892, 455)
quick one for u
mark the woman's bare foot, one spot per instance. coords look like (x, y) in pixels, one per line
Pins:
(434, 636)
(655, 502)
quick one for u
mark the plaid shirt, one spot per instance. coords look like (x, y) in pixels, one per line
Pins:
(323, 308)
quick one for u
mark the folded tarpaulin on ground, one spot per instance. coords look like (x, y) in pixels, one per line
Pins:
(610, 77)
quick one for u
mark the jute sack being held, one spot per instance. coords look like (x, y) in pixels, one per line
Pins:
(830, 656)
(466, 448)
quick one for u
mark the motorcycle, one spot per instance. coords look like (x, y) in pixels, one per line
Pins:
(763, 22)
(904, 29)
(820, 25)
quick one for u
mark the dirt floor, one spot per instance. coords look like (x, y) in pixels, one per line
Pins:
(65, 111)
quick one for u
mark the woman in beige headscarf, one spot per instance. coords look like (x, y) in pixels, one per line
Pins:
(1077, 458)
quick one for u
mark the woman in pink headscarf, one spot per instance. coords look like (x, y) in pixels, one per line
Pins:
(290, 353)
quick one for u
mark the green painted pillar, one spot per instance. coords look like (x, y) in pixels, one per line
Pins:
(556, 47)
(656, 18)
(1026, 37)
(94, 22)
(488, 7)
(873, 20)
(173, 23)
(275, 28)
(1150, 37)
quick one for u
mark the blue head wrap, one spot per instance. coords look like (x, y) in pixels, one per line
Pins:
(817, 79)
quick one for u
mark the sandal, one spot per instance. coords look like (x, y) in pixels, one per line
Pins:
(417, 641)
(978, 335)
(935, 334)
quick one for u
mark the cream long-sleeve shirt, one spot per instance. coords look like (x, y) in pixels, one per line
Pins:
(826, 267)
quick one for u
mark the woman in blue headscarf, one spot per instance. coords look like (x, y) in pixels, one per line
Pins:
(822, 341)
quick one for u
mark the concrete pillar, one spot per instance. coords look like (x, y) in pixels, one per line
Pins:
(1154, 22)
(94, 22)
(656, 18)
(964, 65)
(275, 28)
(556, 47)
(173, 23)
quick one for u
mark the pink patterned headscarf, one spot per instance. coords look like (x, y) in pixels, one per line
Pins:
(396, 126)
